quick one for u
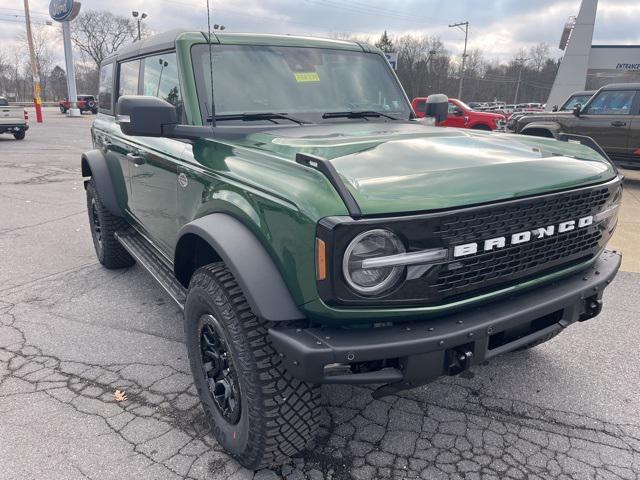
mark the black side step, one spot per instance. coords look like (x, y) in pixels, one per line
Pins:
(146, 256)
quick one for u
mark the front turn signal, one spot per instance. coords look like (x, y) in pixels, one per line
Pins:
(321, 260)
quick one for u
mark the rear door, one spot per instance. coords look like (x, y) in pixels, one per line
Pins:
(607, 119)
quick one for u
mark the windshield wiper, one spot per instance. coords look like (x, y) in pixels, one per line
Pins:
(248, 117)
(358, 114)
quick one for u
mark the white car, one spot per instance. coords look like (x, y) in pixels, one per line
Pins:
(13, 120)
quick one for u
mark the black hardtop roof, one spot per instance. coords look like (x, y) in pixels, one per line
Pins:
(584, 92)
(622, 86)
(154, 43)
(167, 41)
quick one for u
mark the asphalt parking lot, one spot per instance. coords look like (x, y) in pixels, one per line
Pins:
(71, 333)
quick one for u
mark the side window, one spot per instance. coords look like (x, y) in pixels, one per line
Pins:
(160, 79)
(612, 102)
(128, 80)
(421, 106)
(453, 108)
(105, 91)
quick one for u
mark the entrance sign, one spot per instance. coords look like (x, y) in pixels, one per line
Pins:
(392, 58)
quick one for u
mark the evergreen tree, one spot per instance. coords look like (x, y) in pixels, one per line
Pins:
(385, 44)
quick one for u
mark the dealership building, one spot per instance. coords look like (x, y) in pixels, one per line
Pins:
(586, 66)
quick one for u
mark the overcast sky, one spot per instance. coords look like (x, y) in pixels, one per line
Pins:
(498, 27)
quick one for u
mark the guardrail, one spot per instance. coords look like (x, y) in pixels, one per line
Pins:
(30, 104)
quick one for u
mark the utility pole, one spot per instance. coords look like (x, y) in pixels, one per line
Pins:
(34, 65)
(464, 53)
(521, 61)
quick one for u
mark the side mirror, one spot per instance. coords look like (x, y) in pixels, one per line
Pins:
(554, 108)
(577, 110)
(144, 116)
(437, 106)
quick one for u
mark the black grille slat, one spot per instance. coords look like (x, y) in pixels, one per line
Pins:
(469, 227)
(476, 272)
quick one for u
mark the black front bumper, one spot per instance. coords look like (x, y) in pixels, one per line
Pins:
(423, 351)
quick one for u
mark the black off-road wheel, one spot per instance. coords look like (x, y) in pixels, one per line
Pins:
(20, 135)
(258, 413)
(103, 226)
(63, 110)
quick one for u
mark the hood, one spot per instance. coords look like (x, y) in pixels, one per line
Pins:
(478, 114)
(409, 167)
(545, 117)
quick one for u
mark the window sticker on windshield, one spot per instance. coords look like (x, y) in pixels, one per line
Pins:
(307, 77)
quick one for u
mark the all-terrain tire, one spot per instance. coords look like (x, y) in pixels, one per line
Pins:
(63, 110)
(20, 135)
(278, 413)
(108, 250)
(482, 127)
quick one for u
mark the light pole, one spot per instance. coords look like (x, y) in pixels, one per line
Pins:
(163, 63)
(521, 61)
(464, 53)
(139, 17)
(432, 53)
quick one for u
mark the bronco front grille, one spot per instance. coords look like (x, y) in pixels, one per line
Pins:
(474, 274)
(517, 217)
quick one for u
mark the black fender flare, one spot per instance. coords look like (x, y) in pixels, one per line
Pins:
(94, 165)
(251, 265)
(553, 128)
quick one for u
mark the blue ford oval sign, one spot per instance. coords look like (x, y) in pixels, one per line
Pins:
(63, 10)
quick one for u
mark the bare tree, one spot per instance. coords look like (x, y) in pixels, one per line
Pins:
(99, 33)
(539, 54)
(43, 38)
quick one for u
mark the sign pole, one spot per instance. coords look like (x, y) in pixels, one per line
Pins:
(64, 11)
(71, 78)
(34, 65)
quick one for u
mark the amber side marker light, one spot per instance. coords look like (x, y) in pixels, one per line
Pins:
(321, 260)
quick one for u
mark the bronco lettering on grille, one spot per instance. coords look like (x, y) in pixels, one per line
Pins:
(521, 237)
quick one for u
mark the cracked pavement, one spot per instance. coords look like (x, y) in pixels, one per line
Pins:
(71, 333)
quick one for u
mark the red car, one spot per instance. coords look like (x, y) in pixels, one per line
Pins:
(462, 115)
(86, 103)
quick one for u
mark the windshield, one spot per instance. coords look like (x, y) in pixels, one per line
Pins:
(463, 105)
(303, 82)
(575, 100)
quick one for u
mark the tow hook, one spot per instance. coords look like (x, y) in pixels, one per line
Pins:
(458, 359)
(592, 307)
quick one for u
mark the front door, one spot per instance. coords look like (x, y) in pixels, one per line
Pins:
(154, 166)
(607, 119)
(456, 117)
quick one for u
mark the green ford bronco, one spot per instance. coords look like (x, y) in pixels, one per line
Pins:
(313, 231)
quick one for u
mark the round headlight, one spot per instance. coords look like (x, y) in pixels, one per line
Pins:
(372, 244)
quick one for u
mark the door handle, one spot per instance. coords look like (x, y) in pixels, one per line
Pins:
(136, 159)
(618, 124)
